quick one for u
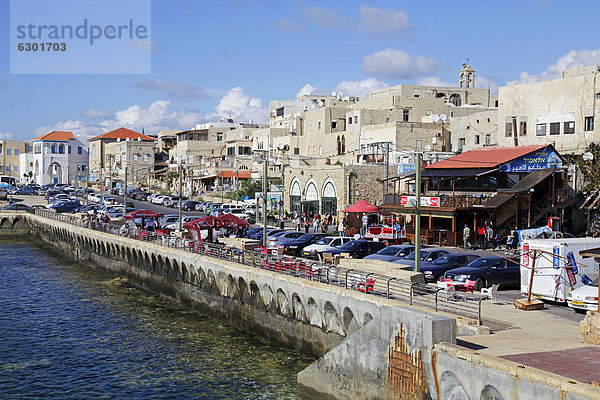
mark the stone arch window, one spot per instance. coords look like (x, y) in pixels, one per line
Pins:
(440, 95)
(310, 203)
(61, 149)
(53, 149)
(456, 100)
(295, 196)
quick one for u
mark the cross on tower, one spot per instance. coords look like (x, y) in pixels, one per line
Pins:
(468, 60)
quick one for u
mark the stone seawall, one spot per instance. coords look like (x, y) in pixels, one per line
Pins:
(370, 347)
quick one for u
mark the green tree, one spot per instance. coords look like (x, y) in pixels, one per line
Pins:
(589, 169)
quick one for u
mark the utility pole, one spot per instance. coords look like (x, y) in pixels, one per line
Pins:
(125, 194)
(264, 207)
(418, 215)
(387, 169)
(180, 192)
(87, 182)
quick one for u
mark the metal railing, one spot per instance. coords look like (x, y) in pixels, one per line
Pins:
(423, 295)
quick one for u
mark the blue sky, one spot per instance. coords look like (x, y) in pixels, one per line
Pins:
(212, 59)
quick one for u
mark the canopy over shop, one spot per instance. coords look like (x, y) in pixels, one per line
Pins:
(228, 221)
(510, 186)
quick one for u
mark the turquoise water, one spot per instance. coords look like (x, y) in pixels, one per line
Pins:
(72, 332)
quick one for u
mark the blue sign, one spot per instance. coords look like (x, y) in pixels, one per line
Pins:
(402, 168)
(556, 257)
(540, 159)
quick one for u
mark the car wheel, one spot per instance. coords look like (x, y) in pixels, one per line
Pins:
(479, 284)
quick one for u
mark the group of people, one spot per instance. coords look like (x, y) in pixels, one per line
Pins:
(485, 236)
(317, 224)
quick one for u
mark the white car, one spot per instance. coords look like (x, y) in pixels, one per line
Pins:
(584, 297)
(157, 199)
(240, 213)
(175, 225)
(327, 243)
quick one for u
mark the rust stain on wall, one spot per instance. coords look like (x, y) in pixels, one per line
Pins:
(405, 375)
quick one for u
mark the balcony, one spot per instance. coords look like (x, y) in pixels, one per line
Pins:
(456, 201)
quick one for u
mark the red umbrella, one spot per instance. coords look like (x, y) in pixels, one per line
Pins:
(361, 207)
(231, 220)
(142, 214)
(203, 223)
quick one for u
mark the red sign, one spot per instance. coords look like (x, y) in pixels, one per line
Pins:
(426, 201)
(526, 254)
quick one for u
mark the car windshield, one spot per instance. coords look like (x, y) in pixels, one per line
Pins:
(445, 260)
(388, 251)
(324, 241)
(483, 262)
(424, 255)
(351, 245)
(306, 236)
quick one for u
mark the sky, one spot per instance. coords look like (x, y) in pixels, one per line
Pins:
(232, 57)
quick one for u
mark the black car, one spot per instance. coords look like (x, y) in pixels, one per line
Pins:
(433, 271)
(486, 271)
(358, 248)
(143, 196)
(294, 247)
(189, 205)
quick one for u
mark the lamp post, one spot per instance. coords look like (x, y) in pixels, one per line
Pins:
(180, 192)
(264, 207)
(125, 192)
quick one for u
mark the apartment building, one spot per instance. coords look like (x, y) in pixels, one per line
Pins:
(559, 111)
(10, 161)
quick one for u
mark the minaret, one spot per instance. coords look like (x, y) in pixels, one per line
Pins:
(466, 76)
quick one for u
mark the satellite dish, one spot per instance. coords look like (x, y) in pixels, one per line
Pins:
(443, 117)
(588, 156)
(435, 118)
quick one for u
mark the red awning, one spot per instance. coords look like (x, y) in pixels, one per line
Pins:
(231, 220)
(235, 174)
(203, 223)
(361, 207)
(142, 214)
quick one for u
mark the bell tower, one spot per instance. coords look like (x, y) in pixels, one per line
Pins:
(466, 77)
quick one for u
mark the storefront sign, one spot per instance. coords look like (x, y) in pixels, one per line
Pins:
(540, 159)
(426, 201)
(402, 168)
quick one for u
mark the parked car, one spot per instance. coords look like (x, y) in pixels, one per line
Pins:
(166, 220)
(296, 246)
(270, 232)
(486, 271)
(252, 231)
(175, 225)
(435, 270)
(427, 255)
(324, 244)
(65, 206)
(240, 213)
(24, 190)
(393, 253)
(173, 201)
(189, 205)
(158, 199)
(142, 196)
(200, 205)
(16, 207)
(283, 237)
(358, 248)
(58, 197)
(584, 297)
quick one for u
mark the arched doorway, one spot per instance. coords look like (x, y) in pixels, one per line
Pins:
(295, 196)
(310, 204)
(329, 198)
(55, 173)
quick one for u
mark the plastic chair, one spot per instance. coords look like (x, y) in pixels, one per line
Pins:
(491, 292)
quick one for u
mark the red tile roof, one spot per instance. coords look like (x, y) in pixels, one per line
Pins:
(57, 135)
(485, 157)
(123, 133)
(238, 174)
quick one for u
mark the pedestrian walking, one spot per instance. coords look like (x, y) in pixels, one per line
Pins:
(365, 225)
(316, 223)
(466, 236)
(341, 228)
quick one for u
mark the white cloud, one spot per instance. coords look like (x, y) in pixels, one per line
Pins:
(96, 114)
(322, 17)
(484, 83)
(179, 90)
(152, 119)
(573, 59)
(285, 24)
(432, 81)
(393, 63)
(306, 89)
(379, 20)
(359, 88)
(241, 107)
(7, 135)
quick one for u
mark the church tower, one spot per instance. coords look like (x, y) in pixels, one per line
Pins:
(466, 76)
